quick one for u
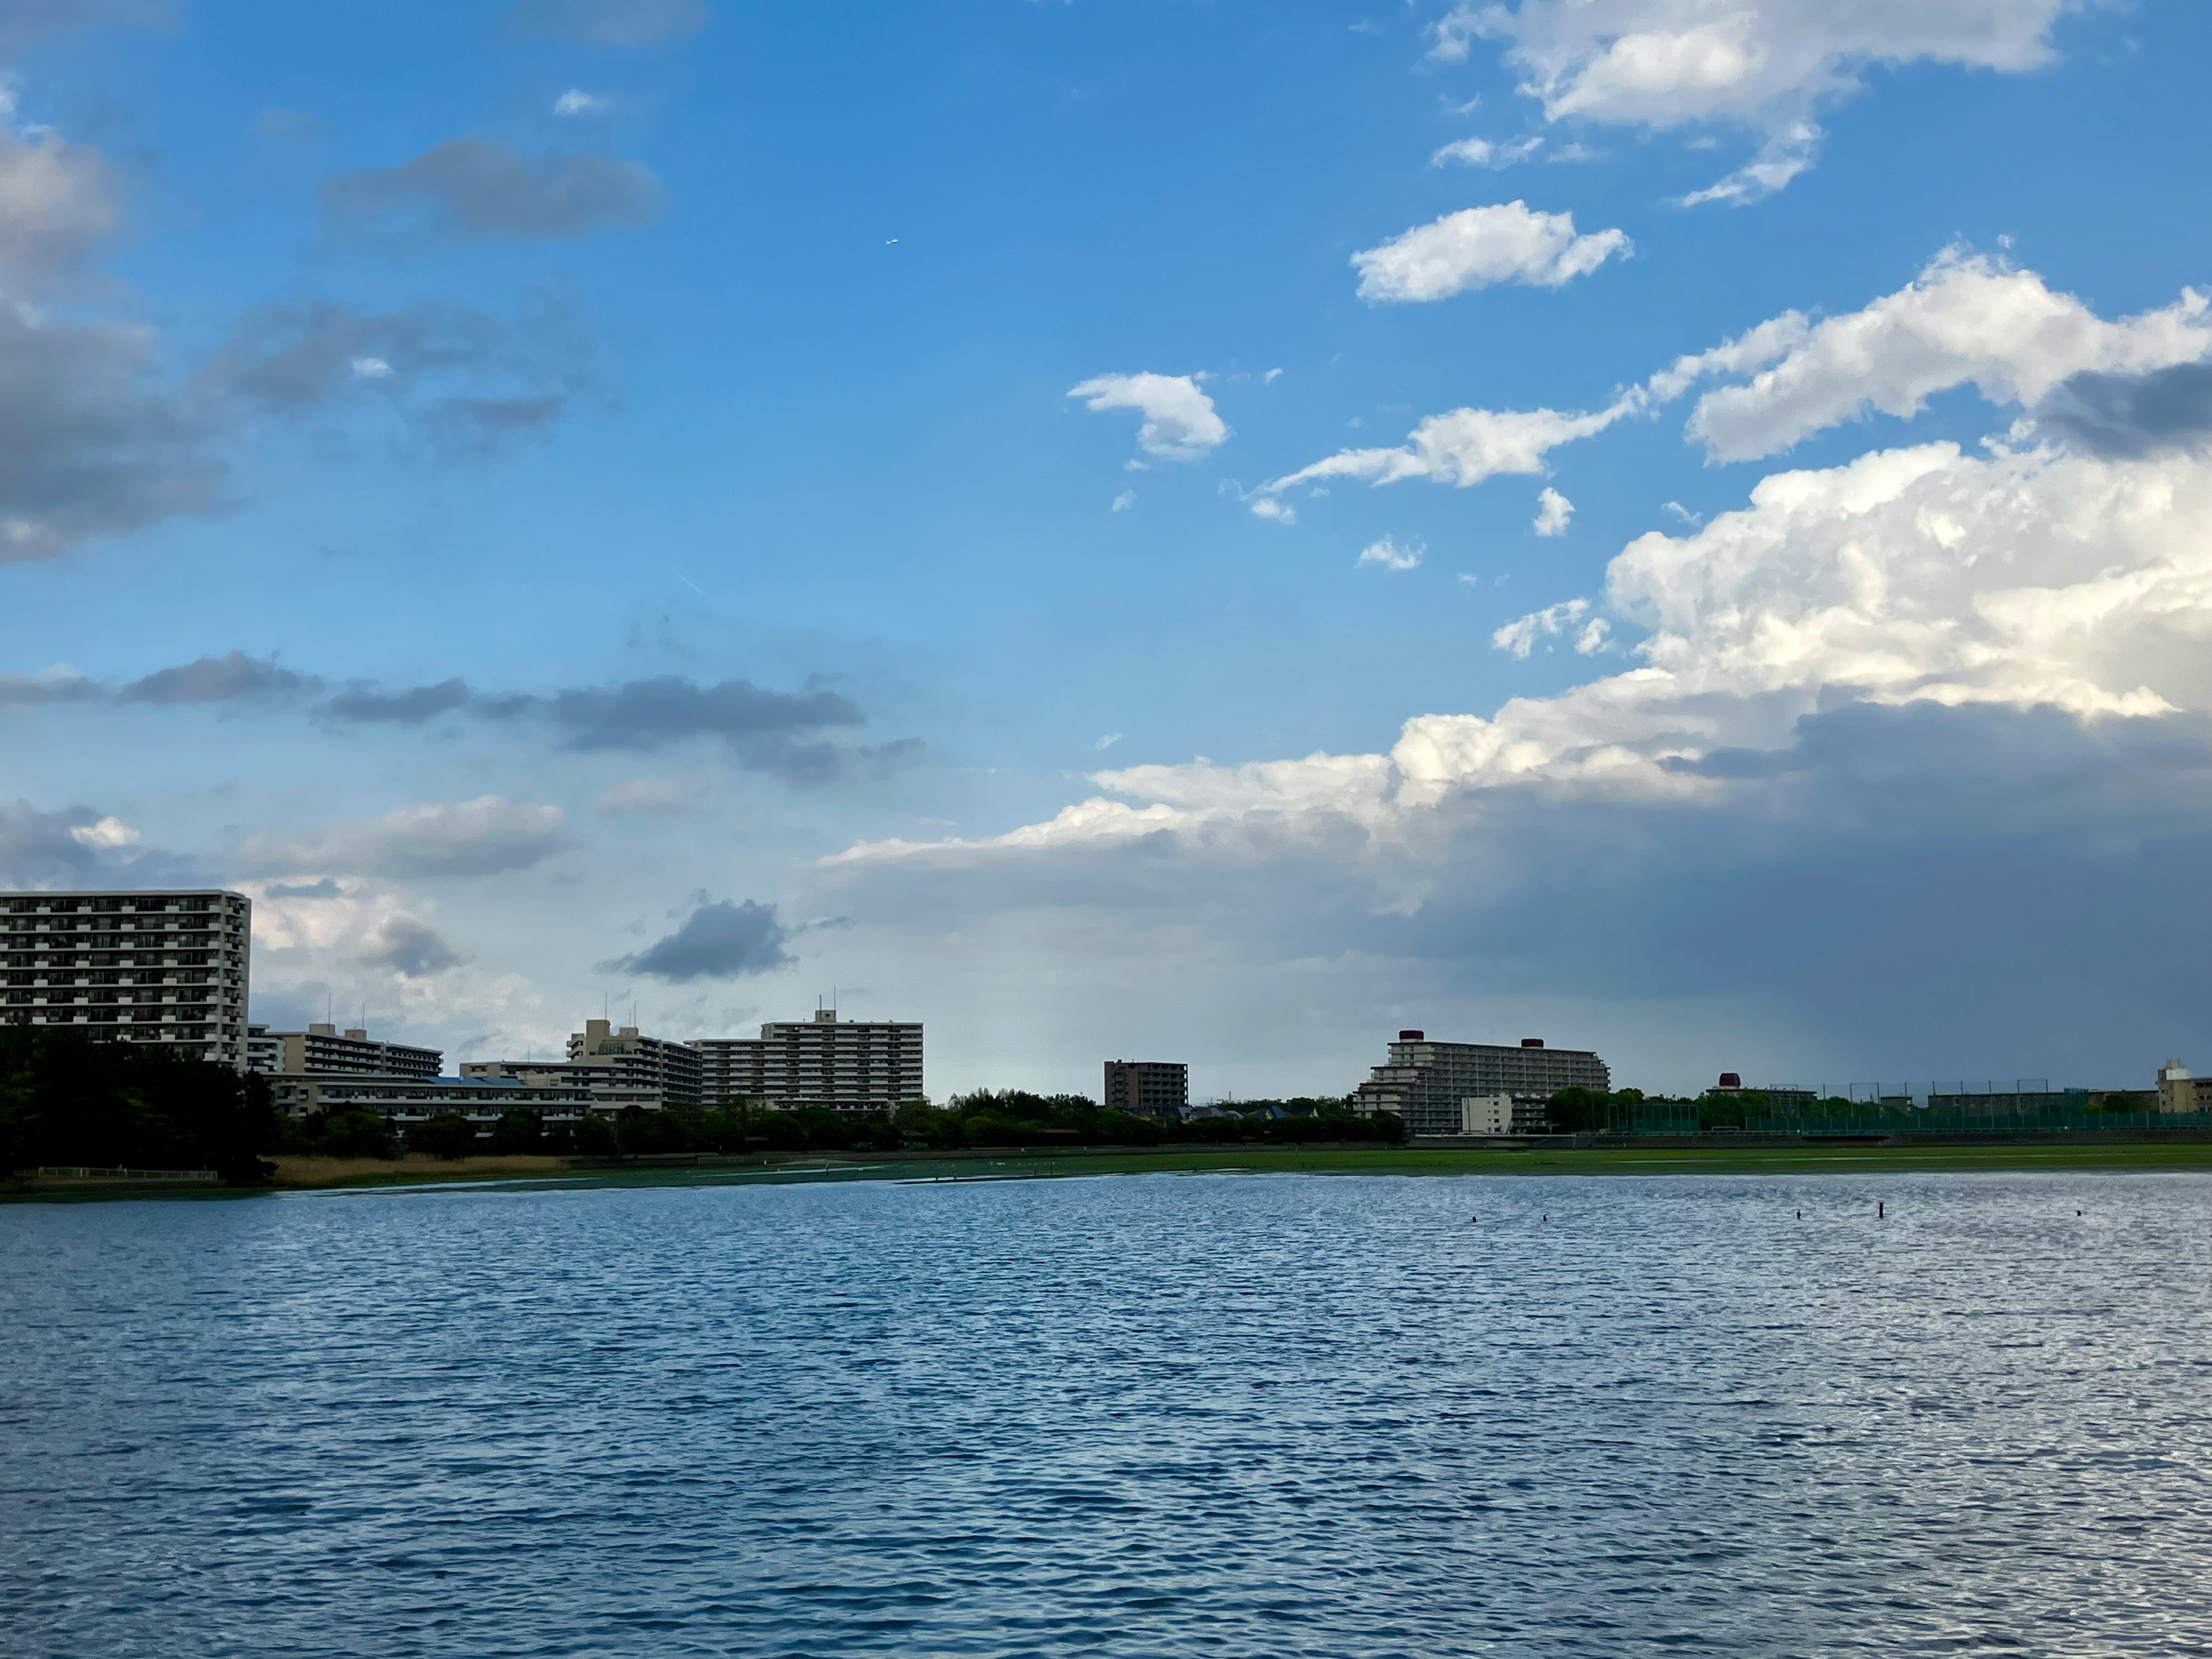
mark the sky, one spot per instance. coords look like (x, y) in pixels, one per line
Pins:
(1173, 529)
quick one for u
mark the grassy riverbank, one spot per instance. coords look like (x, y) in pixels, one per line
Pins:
(309, 1173)
(1283, 1160)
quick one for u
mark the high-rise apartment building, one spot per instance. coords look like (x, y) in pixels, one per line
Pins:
(131, 967)
(1147, 1088)
(843, 1066)
(326, 1051)
(628, 1060)
(1424, 1082)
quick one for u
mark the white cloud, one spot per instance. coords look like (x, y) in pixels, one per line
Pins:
(480, 837)
(1920, 577)
(1266, 507)
(1963, 321)
(1476, 248)
(1520, 634)
(108, 835)
(1462, 447)
(1553, 510)
(1487, 153)
(576, 101)
(1180, 423)
(1596, 634)
(1765, 65)
(371, 368)
(1123, 501)
(1106, 742)
(1391, 556)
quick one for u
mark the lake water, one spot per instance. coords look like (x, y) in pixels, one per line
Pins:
(1148, 1416)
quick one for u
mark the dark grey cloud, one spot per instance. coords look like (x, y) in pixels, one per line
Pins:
(469, 382)
(799, 736)
(771, 731)
(73, 847)
(231, 678)
(2120, 416)
(476, 190)
(720, 940)
(411, 949)
(22, 690)
(790, 734)
(91, 444)
(610, 22)
(365, 705)
(1912, 892)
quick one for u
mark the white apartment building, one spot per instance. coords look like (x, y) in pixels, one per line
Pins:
(842, 1065)
(1503, 1115)
(1424, 1082)
(325, 1050)
(630, 1061)
(484, 1101)
(163, 967)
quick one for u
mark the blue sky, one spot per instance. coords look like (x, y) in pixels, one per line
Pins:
(603, 354)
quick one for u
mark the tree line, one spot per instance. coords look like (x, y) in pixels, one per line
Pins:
(984, 1119)
(66, 1100)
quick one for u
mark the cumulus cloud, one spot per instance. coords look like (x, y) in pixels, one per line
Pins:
(1963, 321)
(719, 940)
(1477, 247)
(488, 835)
(1180, 423)
(2116, 415)
(610, 22)
(1766, 66)
(1929, 694)
(1553, 511)
(80, 847)
(1388, 554)
(477, 190)
(409, 948)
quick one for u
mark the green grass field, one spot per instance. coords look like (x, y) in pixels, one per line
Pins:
(1404, 1161)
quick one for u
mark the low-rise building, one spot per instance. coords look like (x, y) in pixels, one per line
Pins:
(1423, 1083)
(483, 1100)
(1504, 1115)
(163, 967)
(326, 1050)
(2181, 1091)
(1147, 1088)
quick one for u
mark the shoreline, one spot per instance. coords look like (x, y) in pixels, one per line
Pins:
(301, 1175)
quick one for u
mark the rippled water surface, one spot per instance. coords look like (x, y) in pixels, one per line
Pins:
(1140, 1416)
